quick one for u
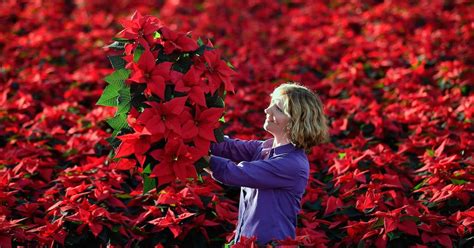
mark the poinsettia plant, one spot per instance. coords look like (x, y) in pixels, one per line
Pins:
(395, 78)
(169, 93)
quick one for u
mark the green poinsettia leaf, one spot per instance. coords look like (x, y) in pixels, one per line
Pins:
(421, 184)
(156, 35)
(200, 42)
(219, 134)
(111, 94)
(109, 97)
(124, 101)
(183, 64)
(120, 45)
(117, 62)
(117, 123)
(117, 77)
(215, 101)
(148, 183)
(458, 181)
(121, 39)
(137, 54)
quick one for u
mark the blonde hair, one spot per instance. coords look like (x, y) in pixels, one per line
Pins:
(308, 124)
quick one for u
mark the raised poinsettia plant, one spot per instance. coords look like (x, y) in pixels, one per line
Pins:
(169, 93)
(395, 78)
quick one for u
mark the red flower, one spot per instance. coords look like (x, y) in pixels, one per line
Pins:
(154, 75)
(175, 161)
(90, 215)
(245, 242)
(177, 41)
(140, 28)
(161, 118)
(368, 201)
(435, 232)
(393, 220)
(200, 129)
(171, 221)
(201, 222)
(216, 71)
(136, 143)
(124, 164)
(191, 84)
(204, 124)
(54, 230)
(332, 204)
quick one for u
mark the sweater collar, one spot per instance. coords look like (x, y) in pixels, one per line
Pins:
(267, 145)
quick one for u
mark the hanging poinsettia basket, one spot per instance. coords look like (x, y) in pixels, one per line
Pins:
(169, 93)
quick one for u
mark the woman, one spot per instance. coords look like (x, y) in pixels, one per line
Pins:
(273, 174)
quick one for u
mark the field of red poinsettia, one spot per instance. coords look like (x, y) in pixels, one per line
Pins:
(396, 78)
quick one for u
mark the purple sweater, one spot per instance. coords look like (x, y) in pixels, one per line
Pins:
(272, 183)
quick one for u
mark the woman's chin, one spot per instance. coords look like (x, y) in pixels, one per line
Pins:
(265, 126)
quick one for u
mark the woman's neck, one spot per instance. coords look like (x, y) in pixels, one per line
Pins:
(279, 141)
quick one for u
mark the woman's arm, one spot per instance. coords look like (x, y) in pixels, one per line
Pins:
(274, 173)
(235, 149)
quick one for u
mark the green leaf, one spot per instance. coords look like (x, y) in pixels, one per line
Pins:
(222, 119)
(120, 39)
(183, 64)
(431, 204)
(148, 183)
(109, 96)
(117, 77)
(457, 173)
(123, 196)
(393, 235)
(313, 206)
(119, 45)
(458, 181)
(430, 152)
(117, 62)
(230, 65)
(465, 90)
(114, 142)
(124, 101)
(215, 101)
(117, 123)
(137, 54)
(412, 218)
(378, 223)
(219, 103)
(219, 134)
(147, 170)
(199, 178)
(169, 92)
(421, 184)
(350, 211)
(342, 155)
(200, 165)
(156, 35)
(379, 86)
(200, 42)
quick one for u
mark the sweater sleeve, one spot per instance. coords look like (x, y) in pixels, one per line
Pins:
(264, 174)
(235, 149)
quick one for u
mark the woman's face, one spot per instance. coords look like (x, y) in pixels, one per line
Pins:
(277, 121)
